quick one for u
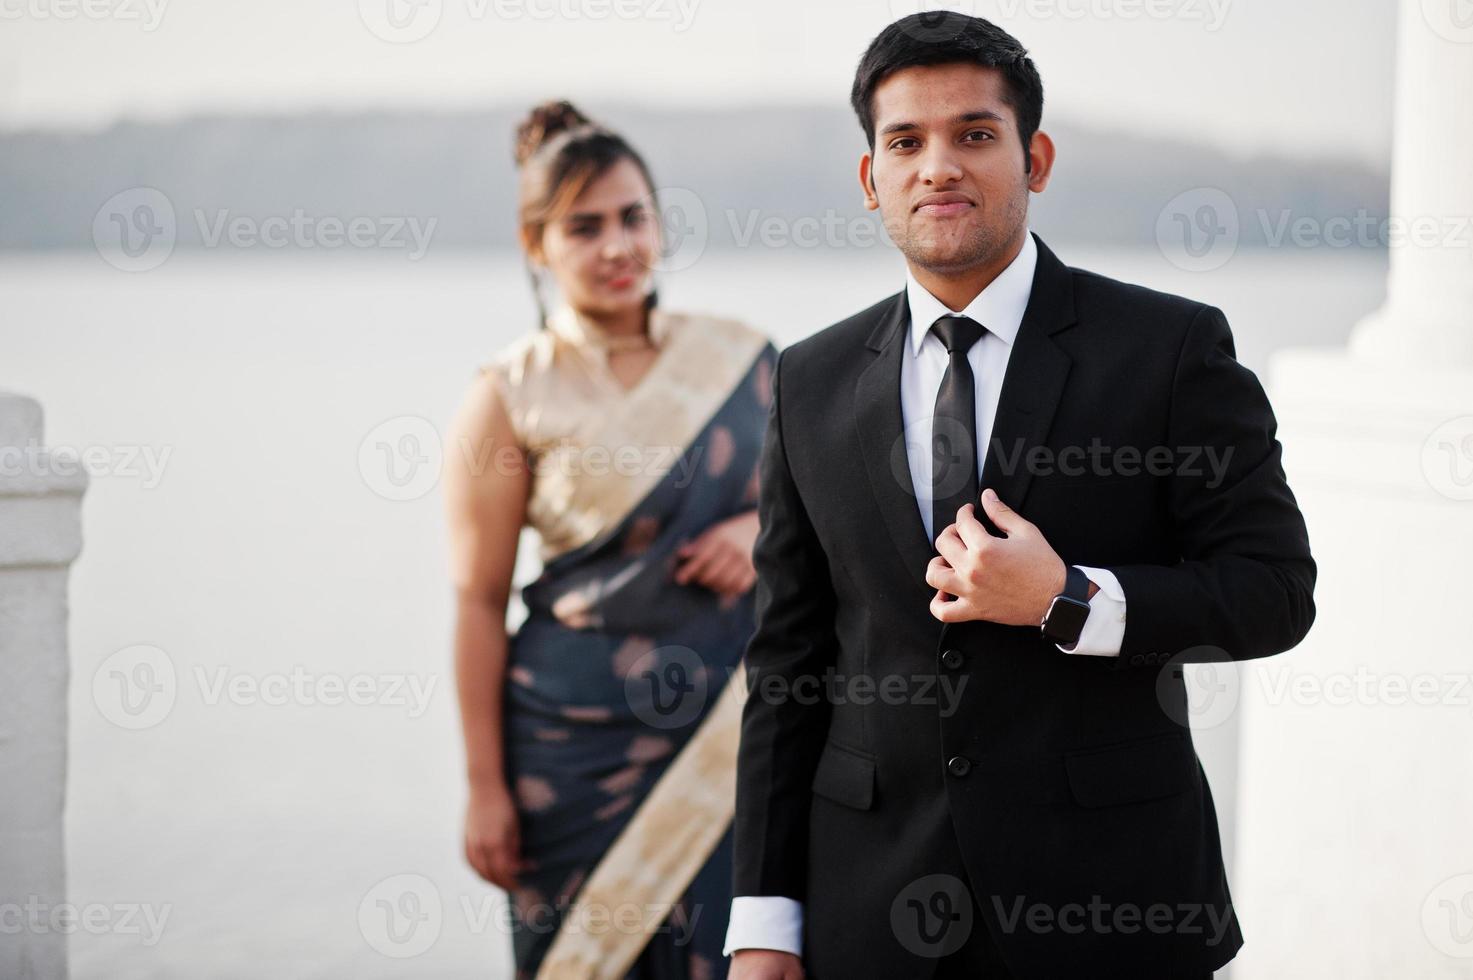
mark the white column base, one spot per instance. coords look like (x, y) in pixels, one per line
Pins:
(40, 534)
(1442, 339)
(1355, 844)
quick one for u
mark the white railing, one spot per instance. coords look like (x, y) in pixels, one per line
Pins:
(40, 535)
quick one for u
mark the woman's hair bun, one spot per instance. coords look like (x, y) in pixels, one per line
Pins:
(543, 123)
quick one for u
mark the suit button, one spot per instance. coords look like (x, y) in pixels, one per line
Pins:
(951, 659)
(959, 765)
(1136, 660)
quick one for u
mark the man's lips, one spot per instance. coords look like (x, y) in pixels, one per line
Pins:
(942, 205)
(942, 210)
(621, 282)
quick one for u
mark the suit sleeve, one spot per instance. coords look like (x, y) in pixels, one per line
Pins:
(785, 718)
(1243, 586)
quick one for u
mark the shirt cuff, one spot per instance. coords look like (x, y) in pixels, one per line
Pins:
(1104, 628)
(765, 922)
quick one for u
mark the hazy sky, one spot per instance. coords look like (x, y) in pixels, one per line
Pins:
(1300, 77)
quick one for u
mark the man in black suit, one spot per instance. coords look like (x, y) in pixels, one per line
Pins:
(959, 757)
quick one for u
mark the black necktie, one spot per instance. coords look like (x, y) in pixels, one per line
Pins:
(954, 426)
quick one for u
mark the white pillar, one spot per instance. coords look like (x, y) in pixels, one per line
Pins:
(1428, 316)
(1355, 818)
(40, 534)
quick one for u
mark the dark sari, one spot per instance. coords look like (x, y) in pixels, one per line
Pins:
(617, 665)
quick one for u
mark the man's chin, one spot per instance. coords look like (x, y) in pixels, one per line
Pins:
(948, 259)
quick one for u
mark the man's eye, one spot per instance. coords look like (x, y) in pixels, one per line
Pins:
(980, 133)
(904, 143)
(583, 231)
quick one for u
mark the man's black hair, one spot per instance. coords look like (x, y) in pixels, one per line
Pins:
(948, 37)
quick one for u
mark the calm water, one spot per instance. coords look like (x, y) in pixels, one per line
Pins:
(263, 525)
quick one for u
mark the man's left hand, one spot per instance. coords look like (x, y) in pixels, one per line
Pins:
(1009, 580)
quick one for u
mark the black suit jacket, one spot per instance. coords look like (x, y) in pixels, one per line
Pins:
(1063, 789)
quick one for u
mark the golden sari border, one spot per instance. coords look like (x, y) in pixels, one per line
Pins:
(656, 422)
(662, 848)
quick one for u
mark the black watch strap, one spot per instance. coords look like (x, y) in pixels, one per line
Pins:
(1076, 584)
(1069, 610)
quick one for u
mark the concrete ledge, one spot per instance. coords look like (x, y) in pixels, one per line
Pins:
(40, 534)
(20, 420)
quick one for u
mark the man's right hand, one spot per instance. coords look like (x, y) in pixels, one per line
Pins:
(764, 964)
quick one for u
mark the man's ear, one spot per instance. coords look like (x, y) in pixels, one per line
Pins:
(867, 182)
(1040, 161)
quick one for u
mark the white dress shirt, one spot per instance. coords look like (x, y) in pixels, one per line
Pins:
(776, 922)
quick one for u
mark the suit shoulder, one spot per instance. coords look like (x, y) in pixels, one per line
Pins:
(1099, 296)
(845, 336)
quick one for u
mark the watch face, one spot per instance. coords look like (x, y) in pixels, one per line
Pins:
(1066, 620)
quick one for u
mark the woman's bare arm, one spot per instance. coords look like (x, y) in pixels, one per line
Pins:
(486, 481)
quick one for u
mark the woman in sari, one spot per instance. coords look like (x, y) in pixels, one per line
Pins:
(628, 437)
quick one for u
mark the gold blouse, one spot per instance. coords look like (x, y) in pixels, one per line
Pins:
(595, 448)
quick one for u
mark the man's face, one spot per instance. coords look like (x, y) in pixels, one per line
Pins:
(948, 166)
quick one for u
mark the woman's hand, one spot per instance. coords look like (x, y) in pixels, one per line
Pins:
(493, 843)
(720, 558)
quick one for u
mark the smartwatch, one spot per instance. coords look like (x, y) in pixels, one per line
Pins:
(1065, 618)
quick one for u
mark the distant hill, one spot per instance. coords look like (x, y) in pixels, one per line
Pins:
(745, 165)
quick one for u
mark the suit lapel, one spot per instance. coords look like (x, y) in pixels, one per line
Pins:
(1034, 381)
(882, 440)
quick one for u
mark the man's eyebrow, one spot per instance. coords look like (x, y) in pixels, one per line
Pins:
(976, 115)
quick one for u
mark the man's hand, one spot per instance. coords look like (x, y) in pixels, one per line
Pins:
(764, 964)
(1008, 580)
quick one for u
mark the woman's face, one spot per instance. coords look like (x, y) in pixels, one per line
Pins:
(603, 251)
